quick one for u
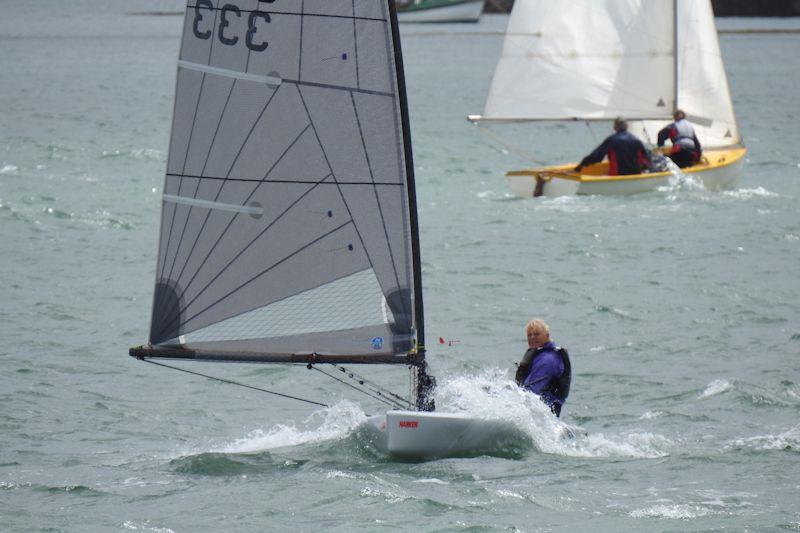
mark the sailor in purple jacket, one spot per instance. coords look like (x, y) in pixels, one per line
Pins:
(545, 368)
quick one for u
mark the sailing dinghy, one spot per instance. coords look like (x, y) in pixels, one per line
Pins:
(595, 60)
(289, 224)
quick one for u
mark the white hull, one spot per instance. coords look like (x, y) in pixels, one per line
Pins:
(469, 11)
(424, 435)
(719, 175)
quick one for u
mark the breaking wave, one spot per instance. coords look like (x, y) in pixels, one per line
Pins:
(718, 386)
(786, 441)
(332, 423)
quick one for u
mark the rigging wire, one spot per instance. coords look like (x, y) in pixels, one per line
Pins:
(235, 383)
(374, 387)
(589, 127)
(376, 396)
(370, 389)
(508, 146)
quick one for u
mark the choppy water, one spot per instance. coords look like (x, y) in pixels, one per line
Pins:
(680, 309)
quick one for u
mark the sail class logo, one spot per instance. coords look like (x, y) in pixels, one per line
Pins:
(377, 343)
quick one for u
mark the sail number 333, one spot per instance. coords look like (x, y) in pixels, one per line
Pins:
(204, 22)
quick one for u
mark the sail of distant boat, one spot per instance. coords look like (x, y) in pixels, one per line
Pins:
(595, 60)
(288, 224)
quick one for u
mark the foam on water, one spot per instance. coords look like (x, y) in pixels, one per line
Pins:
(788, 441)
(681, 511)
(144, 526)
(745, 194)
(326, 424)
(492, 395)
(718, 386)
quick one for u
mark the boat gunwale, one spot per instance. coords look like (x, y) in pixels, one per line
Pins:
(566, 171)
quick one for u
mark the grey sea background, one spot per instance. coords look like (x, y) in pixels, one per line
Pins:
(680, 308)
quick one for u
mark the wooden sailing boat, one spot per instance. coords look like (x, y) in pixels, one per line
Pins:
(439, 10)
(592, 60)
(289, 224)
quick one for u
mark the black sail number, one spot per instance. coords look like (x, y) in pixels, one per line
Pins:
(198, 18)
(252, 29)
(224, 23)
(255, 22)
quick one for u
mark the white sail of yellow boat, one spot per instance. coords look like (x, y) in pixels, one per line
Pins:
(595, 60)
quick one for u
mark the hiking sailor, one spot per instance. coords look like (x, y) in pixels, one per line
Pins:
(545, 368)
(686, 149)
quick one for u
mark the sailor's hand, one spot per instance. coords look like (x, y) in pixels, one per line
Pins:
(578, 168)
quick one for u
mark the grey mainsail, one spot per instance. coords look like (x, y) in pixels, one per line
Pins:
(289, 219)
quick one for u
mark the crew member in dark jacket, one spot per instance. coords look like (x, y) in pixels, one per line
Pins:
(545, 368)
(686, 149)
(626, 154)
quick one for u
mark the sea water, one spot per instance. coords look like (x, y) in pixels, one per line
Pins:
(680, 308)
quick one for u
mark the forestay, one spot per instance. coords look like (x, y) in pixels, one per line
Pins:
(288, 218)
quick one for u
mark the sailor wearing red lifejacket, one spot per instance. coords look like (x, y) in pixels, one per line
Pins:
(626, 154)
(686, 149)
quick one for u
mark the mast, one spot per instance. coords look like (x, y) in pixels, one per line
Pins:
(411, 186)
(675, 44)
(424, 384)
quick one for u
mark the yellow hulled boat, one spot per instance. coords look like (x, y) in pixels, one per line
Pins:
(589, 61)
(719, 169)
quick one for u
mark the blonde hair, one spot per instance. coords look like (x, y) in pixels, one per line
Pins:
(537, 323)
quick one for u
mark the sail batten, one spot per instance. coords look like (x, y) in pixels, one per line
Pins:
(287, 214)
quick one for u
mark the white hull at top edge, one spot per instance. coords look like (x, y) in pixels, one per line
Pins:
(469, 11)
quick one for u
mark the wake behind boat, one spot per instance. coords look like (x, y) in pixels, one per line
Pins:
(289, 223)
(557, 65)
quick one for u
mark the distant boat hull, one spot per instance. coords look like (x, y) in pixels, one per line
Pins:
(427, 435)
(441, 11)
(720, 170)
